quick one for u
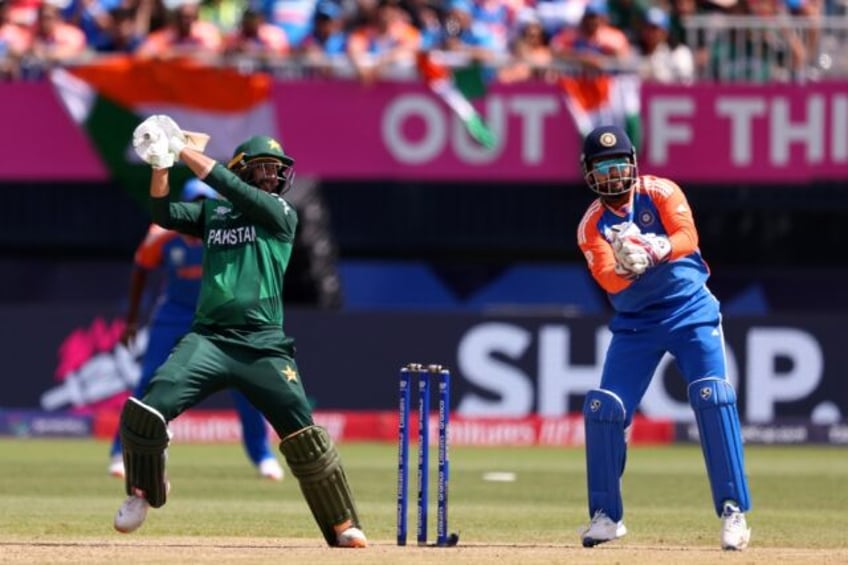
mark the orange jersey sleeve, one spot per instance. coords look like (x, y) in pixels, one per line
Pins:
(598, 252)
(675, 215)
(150, 250)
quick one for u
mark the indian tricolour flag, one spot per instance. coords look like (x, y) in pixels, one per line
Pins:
(604, 99)
(111, 97)
(457, 81)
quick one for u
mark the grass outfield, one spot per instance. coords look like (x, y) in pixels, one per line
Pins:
(57, 504)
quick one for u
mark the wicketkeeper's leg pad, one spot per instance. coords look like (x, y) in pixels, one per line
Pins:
(606, 450)
(714, 402)
(145, 437)
(313, 459)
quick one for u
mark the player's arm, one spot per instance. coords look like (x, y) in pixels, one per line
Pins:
(184, 217)
(676, 216)
(154, 141)
(138, 280)
(259, 206)
(600, 257)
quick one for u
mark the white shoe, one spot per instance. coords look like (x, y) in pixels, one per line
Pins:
(602, 529)
(131, 514)
(116, 466)
(735, 533)
(270, 469)
(351, 537)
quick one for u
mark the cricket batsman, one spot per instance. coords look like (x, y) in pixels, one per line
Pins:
(237, 338)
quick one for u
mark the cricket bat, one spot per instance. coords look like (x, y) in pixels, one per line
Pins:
(196, 140)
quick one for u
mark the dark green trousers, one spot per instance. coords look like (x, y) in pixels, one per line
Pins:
(201, 365)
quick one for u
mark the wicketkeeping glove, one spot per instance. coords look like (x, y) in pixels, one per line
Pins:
(638, 253)
(630, 257)
(151, 144)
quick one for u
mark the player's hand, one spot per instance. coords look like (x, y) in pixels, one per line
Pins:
(631, 257)
(623, 230)
(657, 246)
(151, 144)
(638, 253)
(176, 137)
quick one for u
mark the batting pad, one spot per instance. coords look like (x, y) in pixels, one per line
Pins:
(313, 459)
(606, 451)
(145, 437)
(714, 403)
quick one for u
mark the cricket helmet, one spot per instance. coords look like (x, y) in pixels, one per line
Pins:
(608, 161)
(260, 150)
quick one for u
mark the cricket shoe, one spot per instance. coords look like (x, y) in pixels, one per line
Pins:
(602, 529)
(350, 536)
(116, 466)
(132, 513)
(270, 469)
(735, 533)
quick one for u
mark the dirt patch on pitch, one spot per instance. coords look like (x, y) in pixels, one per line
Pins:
(191, 550)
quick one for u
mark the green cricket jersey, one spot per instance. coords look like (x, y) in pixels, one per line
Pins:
(248, 238)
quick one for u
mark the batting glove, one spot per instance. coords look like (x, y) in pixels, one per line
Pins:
(151, 144)
(176, 137)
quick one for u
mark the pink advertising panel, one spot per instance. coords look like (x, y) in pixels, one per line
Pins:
(345, 130)
(40, 141)
(769, 134)
(402, 130)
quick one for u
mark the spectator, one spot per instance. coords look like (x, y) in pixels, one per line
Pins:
(326, 47)
(23, 12)
(122, 35)
(627, 15)
(556, 15)
(256, 38)
(296, 17)
(595, 44)
(531, 52)
(495, 16)
(385, 44)
(183, 35)
(811, 10)
(427, 17)
(227, 15)
(53, 42)
(14, 41)
(745, 54)
(93, 17)
(659, 62)
(464, 34)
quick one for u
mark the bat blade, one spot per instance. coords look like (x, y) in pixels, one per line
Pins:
(196, 140)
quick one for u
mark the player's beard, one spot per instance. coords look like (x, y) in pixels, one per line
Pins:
(268, 184)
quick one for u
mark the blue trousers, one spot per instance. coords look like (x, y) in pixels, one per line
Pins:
(162, 338)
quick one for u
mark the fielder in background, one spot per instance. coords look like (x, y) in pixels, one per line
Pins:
(179, 258)
(641, 245)
(237, 338)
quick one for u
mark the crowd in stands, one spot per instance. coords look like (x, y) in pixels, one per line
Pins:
(372, 39)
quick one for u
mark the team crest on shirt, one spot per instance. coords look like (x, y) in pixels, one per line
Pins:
(646, 217)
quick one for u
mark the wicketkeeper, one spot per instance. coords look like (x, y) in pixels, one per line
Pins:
(237, 338)
(641, 245)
